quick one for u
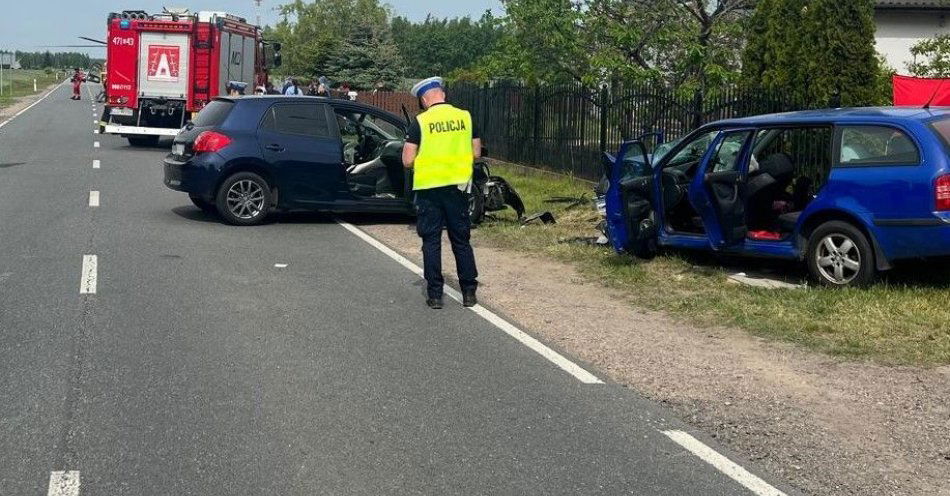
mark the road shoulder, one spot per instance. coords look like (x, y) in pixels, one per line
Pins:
(827, 426)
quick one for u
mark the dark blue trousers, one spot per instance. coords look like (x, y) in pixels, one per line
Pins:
(448, 207)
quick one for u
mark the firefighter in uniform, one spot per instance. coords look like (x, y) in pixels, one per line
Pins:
(441, 147)
(77, 81)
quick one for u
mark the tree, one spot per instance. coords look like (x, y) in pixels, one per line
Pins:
(688, 44)
(931, 58)
(367, 59)
(312, 32)
(444, 46)
(818, 51)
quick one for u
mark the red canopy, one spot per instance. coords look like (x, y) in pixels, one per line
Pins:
(918, 91)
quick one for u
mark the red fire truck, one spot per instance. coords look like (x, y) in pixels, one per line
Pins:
(163, 68)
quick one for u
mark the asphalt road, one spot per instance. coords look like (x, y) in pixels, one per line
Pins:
(198, 367)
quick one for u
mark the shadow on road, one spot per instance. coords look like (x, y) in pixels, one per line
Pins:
(195, 214)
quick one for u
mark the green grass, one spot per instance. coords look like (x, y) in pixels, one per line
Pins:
(904, 319)
(19, 83)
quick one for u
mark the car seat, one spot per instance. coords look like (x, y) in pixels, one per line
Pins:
(764, 186)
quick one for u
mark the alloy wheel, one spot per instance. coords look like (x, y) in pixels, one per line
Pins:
(245, 199)
(838, 257)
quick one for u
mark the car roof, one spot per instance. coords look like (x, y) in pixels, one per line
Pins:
(298, 99)
(842, 115)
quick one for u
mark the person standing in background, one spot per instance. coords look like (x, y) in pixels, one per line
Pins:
(77, 81)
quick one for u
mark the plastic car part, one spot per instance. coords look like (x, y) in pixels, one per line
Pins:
(499, 194)
(544, 217)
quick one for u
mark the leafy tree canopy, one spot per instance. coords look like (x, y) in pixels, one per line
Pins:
(931, 58)
(313, 33)
(820, 51)
(689, 44)
(55, 60)
(443, 46)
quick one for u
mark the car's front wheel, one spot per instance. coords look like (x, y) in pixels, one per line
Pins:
(244, 199)
(840, 255)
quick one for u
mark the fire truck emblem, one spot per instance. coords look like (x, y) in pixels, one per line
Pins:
(163, 63)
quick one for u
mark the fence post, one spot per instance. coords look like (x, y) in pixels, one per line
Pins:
(697, 108)
(603, 118)
(537, 124)
(484, 118)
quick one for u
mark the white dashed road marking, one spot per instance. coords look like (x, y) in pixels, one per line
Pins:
(519, 335)
(90, 268)
(93, 198)
(95, 145)
(723, 464)
(280, 266)
(63, 483)
(96, 164)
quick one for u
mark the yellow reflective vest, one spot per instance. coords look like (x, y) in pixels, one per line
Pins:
(445, 155)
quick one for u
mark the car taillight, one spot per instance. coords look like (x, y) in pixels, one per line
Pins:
(942, 192)
(210, 141)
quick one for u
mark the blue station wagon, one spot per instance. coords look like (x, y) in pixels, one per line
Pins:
(847, 191)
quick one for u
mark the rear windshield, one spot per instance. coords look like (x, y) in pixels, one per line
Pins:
(213, 114)
(942, 128)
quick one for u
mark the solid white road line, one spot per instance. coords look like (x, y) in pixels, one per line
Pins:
(95, 144)
(519, 335)
(90, 266)
(723, 464)
(96, 164)
(93, 198)
(4, 123)
(63, 483)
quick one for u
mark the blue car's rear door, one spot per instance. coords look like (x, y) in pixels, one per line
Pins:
(718, 191)
(302, 147)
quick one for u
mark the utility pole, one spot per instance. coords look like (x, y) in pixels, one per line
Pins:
(257, 10)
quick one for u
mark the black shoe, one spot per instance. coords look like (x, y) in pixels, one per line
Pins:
(435, 303)
(469, 299)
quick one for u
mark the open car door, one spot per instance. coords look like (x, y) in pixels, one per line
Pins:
(630, 224)
(718, 192)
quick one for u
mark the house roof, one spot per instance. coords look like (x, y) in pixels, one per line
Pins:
(913, 4)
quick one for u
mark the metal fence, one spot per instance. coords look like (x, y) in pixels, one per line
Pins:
(566, 128)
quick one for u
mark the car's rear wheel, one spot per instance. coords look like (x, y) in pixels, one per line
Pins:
(840, 255)
(143, 141)
(244, 199)
(203, 204)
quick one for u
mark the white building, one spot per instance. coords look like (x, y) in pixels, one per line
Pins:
(9, 61)
(903, 23)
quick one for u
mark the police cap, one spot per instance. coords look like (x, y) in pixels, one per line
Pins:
(427, 84)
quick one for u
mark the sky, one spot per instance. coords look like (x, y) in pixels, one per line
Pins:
(29, 25)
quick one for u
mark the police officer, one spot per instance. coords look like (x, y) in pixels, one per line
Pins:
(441, 147)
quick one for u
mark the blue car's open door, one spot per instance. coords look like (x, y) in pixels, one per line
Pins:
(629, 203)
(718, 192)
